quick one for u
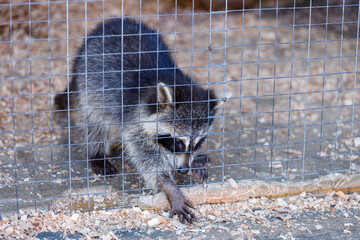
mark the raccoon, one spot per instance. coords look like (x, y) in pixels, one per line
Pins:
(130, 96)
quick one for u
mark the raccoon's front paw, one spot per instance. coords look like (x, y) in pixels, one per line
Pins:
(199, 167)
(181, 208)
(98, 167)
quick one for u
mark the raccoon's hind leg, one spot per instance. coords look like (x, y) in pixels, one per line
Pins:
(199, 167)
(101, 166)
(98, 148)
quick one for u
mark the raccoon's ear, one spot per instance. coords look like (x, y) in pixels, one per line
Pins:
(165, 94)
(222, 98)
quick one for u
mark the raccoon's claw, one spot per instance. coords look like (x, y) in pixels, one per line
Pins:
(201, 174)
(199, 168)
(98, 168)
(181, 208)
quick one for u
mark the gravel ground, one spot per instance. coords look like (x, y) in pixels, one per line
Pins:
(279, 82)
(333, 215)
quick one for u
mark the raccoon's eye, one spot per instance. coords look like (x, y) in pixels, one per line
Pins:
(167, 142)
(198, 145)
(171, 144)
(179, 145)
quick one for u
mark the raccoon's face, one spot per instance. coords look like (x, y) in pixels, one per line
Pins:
(181, 147)
(183, 125)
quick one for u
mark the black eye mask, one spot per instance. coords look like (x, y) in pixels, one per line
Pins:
(174, 145)
(198, 145)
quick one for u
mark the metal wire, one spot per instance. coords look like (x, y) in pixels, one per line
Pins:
(280, 124)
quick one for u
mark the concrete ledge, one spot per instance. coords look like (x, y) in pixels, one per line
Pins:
(233, 191)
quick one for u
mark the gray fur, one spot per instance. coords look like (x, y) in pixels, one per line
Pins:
(134, 110)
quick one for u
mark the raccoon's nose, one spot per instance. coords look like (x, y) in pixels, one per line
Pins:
(183, 170)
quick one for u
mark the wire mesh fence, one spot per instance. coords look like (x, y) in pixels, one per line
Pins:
(290, 66)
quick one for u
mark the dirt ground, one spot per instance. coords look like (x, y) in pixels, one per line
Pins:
(334, 215)
(293, 114)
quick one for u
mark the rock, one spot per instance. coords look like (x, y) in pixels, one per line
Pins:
(75, 216)
(136, 209)
(83, 231)
(302, 229)
(342, 195)
(244, 226)
(233, 184)
(357, 142)
(281, 202)
(318, 226)
(217, 213)
(154, 222)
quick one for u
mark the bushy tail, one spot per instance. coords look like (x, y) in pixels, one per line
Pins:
(61, 101)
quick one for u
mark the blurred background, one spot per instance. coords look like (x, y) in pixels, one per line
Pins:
(291, 67)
